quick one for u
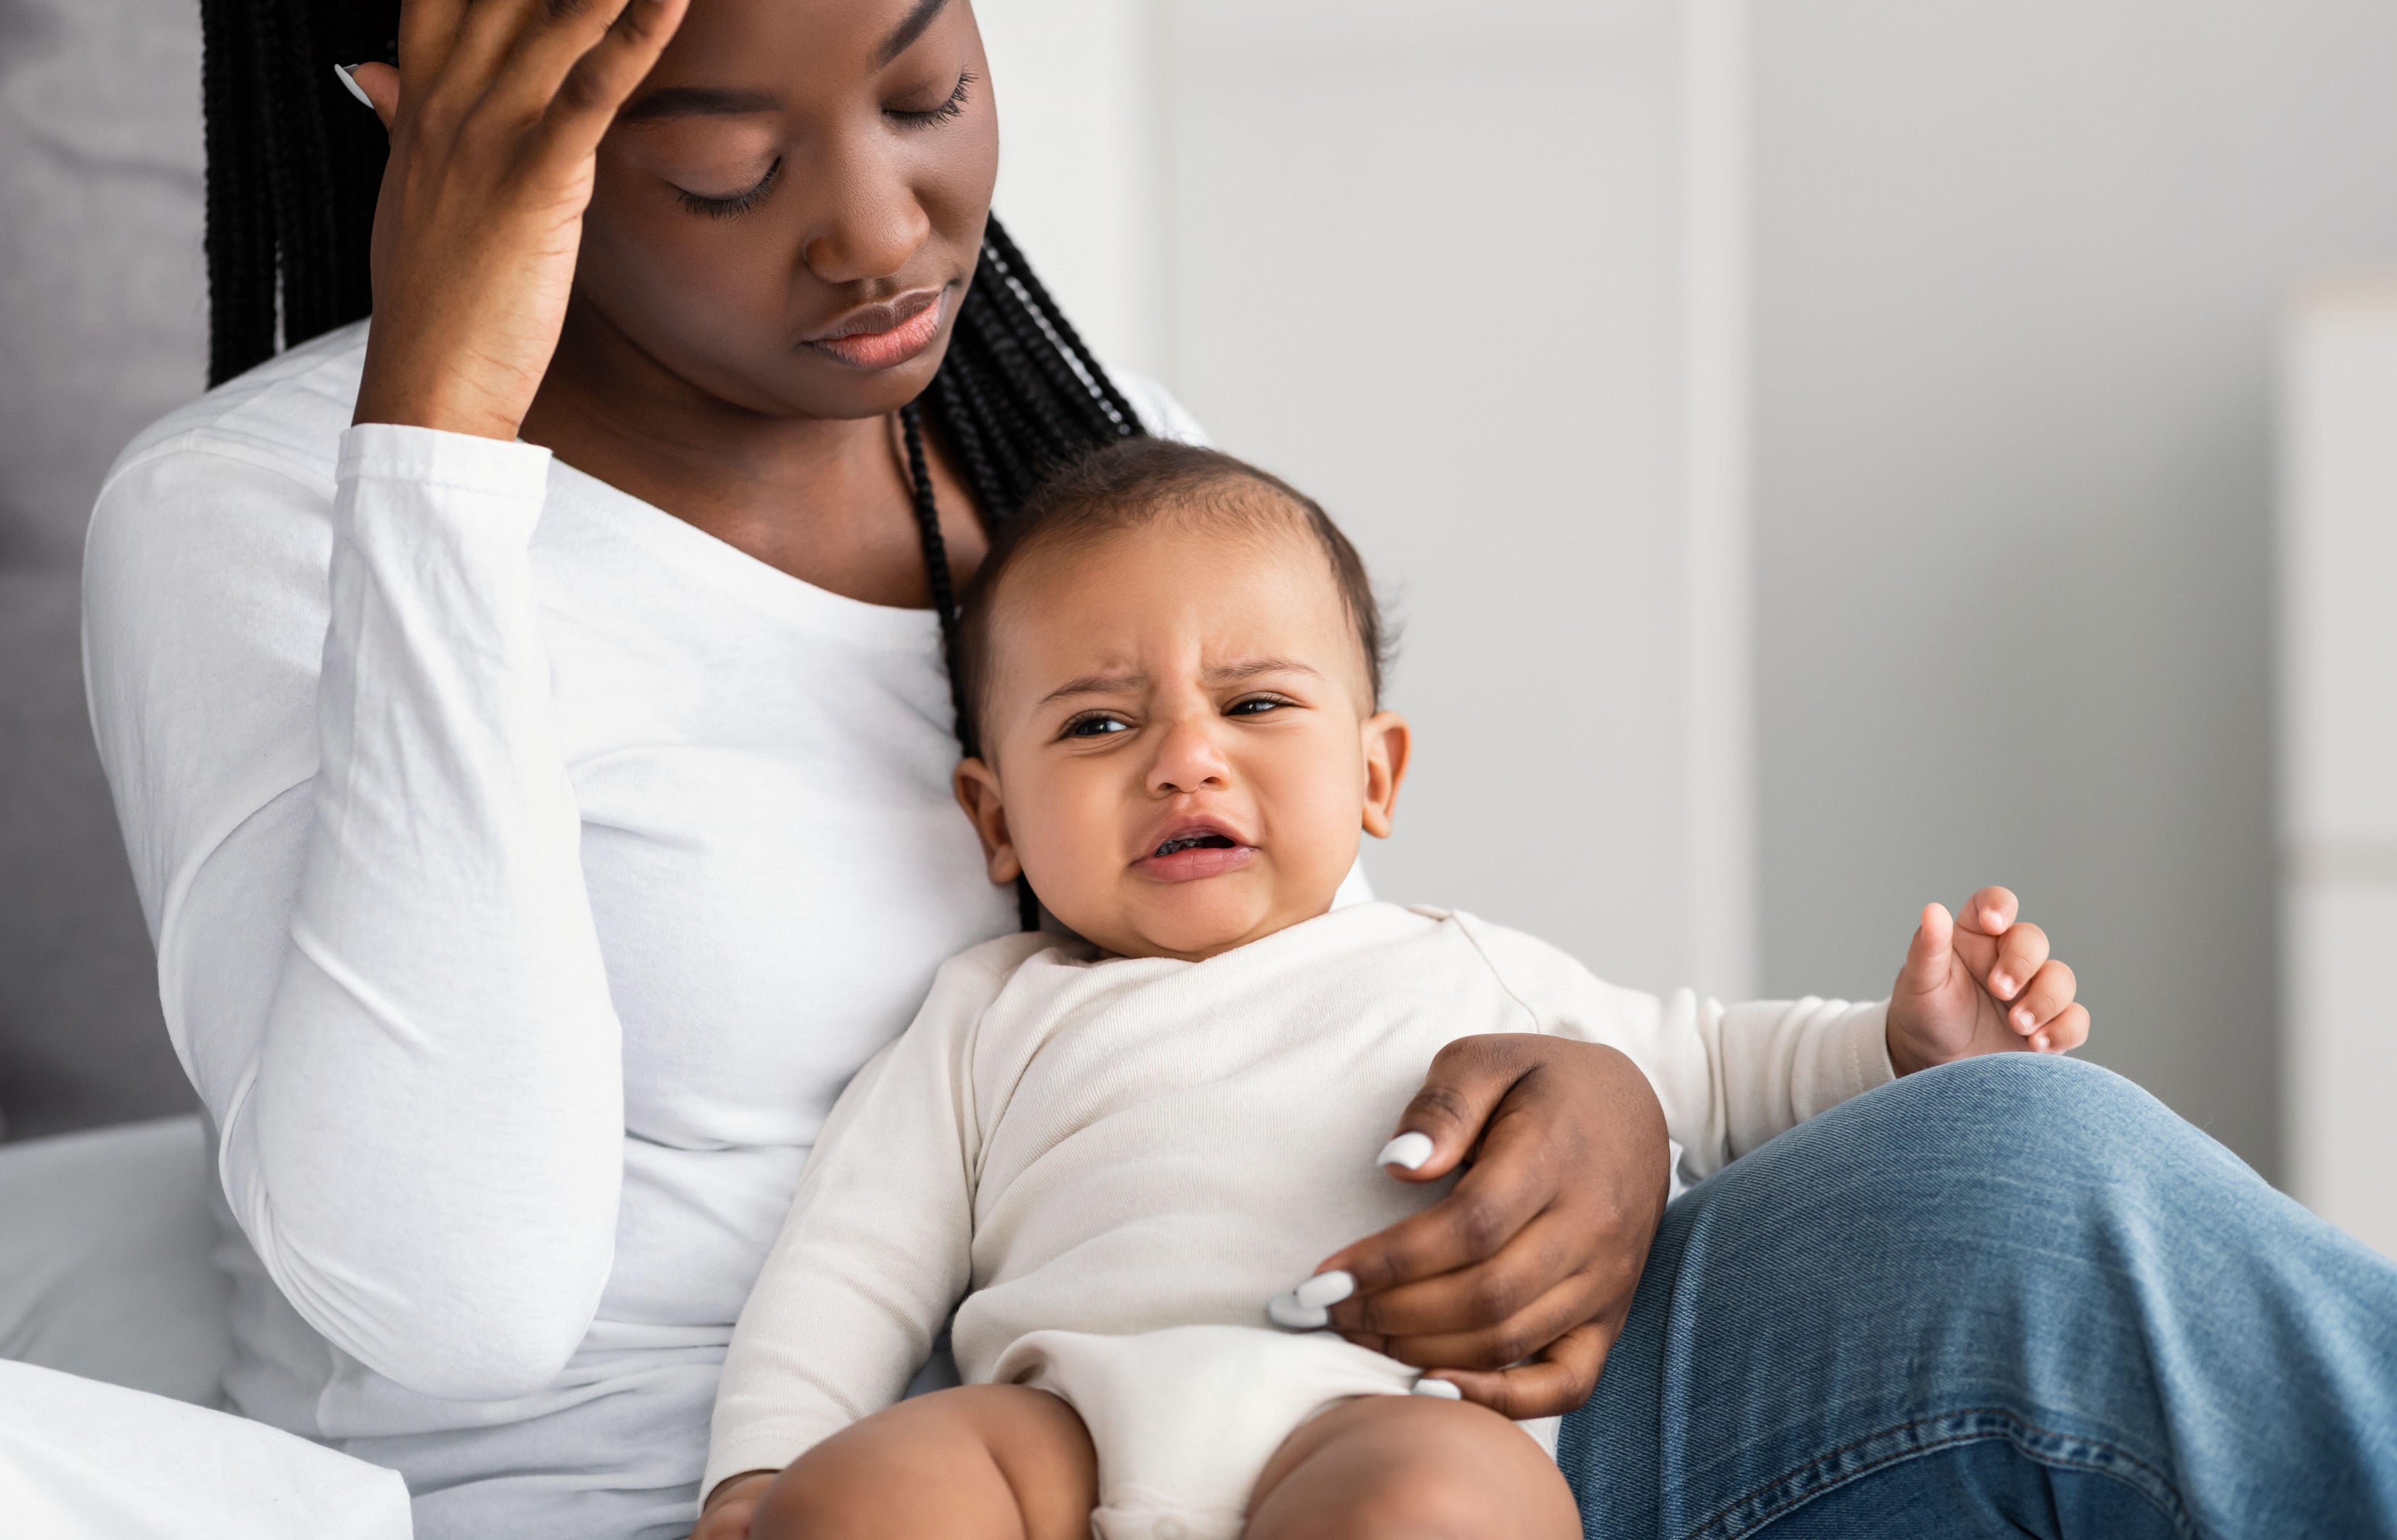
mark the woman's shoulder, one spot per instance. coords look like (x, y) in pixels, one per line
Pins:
(286, 415)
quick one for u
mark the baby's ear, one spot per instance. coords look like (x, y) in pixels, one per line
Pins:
(977, 788)
(1387, 741)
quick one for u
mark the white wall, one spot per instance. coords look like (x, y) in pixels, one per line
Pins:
(2338, 782)
(2019, 267)
(1472, 276)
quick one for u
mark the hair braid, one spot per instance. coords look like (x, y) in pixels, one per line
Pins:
(294, 169)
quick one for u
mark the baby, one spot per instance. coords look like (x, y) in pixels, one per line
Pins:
(1118, 1159)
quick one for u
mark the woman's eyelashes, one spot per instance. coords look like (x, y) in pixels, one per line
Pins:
(738, 203)
(925, 118)
(741, 202)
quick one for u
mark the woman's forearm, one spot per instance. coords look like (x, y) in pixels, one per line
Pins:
(383, 976)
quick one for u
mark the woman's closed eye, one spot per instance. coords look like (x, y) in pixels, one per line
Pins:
(731, 205)
(924, 117)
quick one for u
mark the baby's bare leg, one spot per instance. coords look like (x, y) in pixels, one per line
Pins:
(1409, 1468)
(981, 1462)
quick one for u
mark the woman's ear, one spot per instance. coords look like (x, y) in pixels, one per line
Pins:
(977, 789)
(1387, 741)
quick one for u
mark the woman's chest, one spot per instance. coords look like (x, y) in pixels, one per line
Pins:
(774, 863)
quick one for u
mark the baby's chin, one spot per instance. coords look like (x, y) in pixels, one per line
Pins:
(1196, 920)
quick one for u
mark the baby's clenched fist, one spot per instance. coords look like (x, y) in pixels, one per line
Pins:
(1981, 981)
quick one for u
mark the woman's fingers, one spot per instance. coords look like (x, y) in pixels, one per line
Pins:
(1472, 1223)
(488, 36)
(1481, 1296)
(427, 28)
(609, 72)
(2021, 953)
(1467, 1080)
(2067, 1032)
(380, 84)
(1553, 1381)
(1471, 1341)
(2050, 990)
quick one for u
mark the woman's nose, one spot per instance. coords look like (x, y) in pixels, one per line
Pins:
(1189, 759)
(867, 222)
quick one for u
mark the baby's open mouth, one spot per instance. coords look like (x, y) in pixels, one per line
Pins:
(1194, 842)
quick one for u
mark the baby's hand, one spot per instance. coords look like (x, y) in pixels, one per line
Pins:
(731, 1509)
(1980, 984)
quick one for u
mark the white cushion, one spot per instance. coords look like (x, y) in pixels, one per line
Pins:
(80, 1460)
(105, 1259)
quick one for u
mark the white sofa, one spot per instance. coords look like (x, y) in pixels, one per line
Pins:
(113, 1342)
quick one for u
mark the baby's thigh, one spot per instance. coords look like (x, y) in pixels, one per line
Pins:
(980, 1462)
(1413, 1465)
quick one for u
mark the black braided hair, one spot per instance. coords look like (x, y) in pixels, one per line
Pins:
(294, 167)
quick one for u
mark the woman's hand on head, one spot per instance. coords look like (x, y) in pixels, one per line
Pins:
(495, 110)
(1515, 1285)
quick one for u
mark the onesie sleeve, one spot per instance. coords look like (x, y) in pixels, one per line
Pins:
(878, 1246)
(324, 704)
(1729, 1078)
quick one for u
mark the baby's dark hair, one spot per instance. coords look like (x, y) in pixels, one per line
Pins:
(1132, 484)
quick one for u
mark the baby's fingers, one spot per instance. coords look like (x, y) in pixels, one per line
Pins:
(2050, 990)
(1990, 912)
(2067, 1032)
(2022, 951)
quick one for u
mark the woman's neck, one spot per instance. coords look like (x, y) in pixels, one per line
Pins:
(825, 500)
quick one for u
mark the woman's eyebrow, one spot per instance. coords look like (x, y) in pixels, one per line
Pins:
(698, 101)
(925, 13)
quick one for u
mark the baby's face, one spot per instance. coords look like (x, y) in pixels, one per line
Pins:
(1179, 744)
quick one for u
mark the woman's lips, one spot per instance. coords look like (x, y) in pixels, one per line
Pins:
(879, 336)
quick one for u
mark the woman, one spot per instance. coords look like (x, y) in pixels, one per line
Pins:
(532, 741)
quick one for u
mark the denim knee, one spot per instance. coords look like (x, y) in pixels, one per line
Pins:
(2066, 1113)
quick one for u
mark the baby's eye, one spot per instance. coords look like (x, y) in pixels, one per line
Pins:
(1254, 706)
(1096, 726)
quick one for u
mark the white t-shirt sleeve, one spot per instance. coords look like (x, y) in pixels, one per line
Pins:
(1729, 1078)
(326, 715)
(877, 1247)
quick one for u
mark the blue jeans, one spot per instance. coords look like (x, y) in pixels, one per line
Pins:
(2010, 1296)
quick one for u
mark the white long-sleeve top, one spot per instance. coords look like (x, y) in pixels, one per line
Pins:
(529, 872)
(1076, 1143)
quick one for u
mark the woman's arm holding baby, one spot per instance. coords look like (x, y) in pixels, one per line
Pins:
(1515, 1286)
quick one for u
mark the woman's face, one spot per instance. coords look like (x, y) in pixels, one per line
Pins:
(788, 210)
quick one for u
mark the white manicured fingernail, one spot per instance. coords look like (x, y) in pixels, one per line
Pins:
(1408, 1152)
(1439, 1390)
(350, 84)
(1324, 1288)
(1285, 1311)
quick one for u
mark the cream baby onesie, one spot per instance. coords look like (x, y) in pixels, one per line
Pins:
(1114, 1162)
